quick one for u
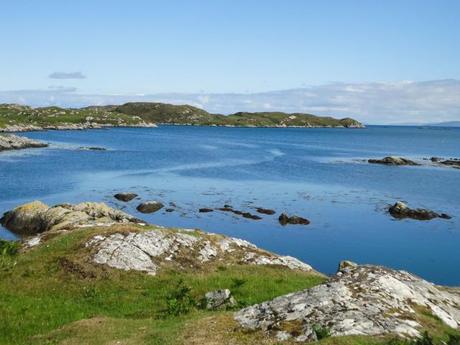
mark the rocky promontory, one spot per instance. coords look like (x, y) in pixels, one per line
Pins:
(14, 142)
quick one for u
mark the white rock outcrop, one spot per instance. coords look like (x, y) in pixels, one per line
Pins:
(151, 250)
(358, 300)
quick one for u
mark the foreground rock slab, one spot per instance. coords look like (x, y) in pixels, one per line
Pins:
(393, 160)
(358, 300)
(37, 217)
(400, 210)
(150, 251)
(14, 142)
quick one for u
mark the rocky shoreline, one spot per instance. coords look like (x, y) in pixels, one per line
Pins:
(14, 142)
(70, 127)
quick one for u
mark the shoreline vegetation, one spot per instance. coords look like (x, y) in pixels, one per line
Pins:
(90, 274)
(20, 118)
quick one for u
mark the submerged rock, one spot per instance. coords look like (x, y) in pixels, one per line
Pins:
(37, 217)
(393, 160)
(125, 196)
(14, 142)
(358, 300)
(205, 210)
(453, 162)
(265, 211)
(400, 210)
(284, 219)
(228, 208)
(219, 299)
(92, 148)
(149, 206)
(149, 251)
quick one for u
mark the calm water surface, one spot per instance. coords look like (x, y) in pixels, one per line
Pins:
(315, 173)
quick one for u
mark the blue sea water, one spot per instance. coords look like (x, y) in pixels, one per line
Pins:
(315, 173)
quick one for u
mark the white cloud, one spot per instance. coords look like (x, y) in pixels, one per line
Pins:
(378, 103)
(67, 75)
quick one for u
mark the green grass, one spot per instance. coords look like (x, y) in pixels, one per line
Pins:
(40, 293)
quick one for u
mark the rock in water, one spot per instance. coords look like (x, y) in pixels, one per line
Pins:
(400, 210)
(358, 300)
(265, 211)
(36, 217)
(205, 210)
(219, 299)
(284, 219)
(392, 160)
(125, 196)
(149, 206)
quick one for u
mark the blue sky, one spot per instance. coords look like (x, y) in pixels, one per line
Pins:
(223, 47)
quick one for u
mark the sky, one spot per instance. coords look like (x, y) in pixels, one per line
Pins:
(392, 61)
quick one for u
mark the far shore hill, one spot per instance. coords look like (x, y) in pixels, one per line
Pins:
(17, 118)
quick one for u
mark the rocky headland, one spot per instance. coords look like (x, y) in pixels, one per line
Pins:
(14, 142)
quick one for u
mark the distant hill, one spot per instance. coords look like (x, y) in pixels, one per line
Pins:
(15, 117)
(185, 114)
(445, 124)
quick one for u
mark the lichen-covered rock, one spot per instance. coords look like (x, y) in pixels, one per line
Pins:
(14, 142)
(219, 299)
(358, 300)
(151, 250)
(149, 206)
(36, 217)
(400, 210)
(393, 160)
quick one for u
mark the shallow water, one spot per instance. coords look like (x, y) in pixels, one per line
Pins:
(315, 173)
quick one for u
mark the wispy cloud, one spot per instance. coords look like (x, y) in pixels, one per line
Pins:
(67, 75)
(374, 103)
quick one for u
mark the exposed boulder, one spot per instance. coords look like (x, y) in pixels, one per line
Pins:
(265, 211)
(149, 206)
(36, 217)
(219, 299)
(14, 142)
(125, 196)
(284, 219)
(358, 300)
(400, 210)
(151, 250)
(393, 160)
